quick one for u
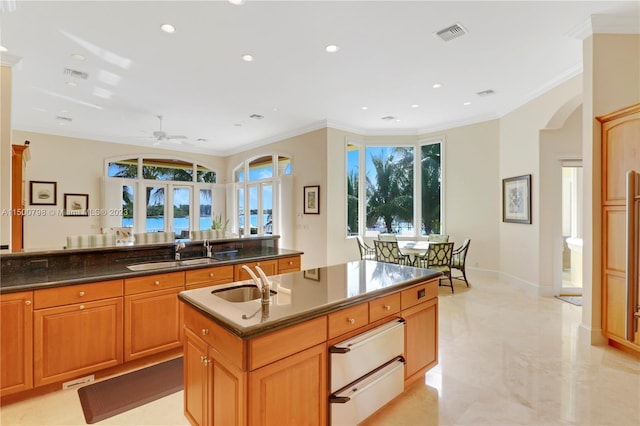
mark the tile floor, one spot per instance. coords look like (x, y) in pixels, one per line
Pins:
(506, 358)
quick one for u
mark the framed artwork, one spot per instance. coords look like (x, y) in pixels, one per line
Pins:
(312, 199)
(76, 204)
(516, 199)
(42, 193)
(312, 274)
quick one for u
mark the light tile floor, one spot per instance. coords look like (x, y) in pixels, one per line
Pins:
(506, 358)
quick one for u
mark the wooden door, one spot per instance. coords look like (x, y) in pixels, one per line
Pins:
(16, 342)
(73, 340)
(421, 339)
(620, 154)
(151, 323)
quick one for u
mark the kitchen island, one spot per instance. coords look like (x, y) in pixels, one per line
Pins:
(252, 363)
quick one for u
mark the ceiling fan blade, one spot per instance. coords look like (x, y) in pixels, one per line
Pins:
(177, 137)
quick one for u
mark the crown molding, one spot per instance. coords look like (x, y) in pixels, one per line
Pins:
(606, 24)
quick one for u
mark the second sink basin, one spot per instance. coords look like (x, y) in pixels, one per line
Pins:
(241, 293)
(150, 266)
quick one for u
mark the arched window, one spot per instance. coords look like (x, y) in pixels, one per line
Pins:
(156, 193)
(258, 185)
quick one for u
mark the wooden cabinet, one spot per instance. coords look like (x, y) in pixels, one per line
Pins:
(291, 391)
(289, 264)
(152, 314)
(421, 339)
(205, 277)
(80, 338)
(270, 267)
(16, 342)
(620, 153)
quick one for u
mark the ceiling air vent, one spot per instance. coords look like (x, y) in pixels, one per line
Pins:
(388, 118)
(454, 31)
(61, 118)
(487, 92)
(76, 73)
(256, 116)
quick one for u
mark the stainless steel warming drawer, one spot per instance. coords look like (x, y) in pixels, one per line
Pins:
(366, 372)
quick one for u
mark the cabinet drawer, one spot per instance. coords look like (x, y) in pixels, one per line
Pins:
(79, 293)
(215, 275)
(418, 294)
(280, 344)
(289, 264)
(232, 347)
(270, 267)
(153, 282)
(348, 319)
(384, 306)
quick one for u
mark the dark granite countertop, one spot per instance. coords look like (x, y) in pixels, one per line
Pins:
(305, 295)
(85, 272)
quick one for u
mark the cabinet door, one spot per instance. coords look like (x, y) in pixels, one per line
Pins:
(228, 391)
(270, 267)
(196, 379)
(151, 323)
(16, 342)
(289, 264)
(292, 391)
(421, 339)
(73, 340)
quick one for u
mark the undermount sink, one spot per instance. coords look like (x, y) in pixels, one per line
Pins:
(241, 293)
(170, 264)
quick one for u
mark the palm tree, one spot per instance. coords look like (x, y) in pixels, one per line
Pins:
(352, 203)
(431, 179)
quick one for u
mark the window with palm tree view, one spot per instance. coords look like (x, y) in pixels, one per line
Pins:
(172, 195)
(389, 187)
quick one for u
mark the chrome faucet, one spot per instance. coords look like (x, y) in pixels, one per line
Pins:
(179, 246)
(207, 246)
(262, 285)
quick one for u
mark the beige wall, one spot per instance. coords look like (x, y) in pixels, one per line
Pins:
(519, 155)
(611, 82)
(77, 165)
(5, 154)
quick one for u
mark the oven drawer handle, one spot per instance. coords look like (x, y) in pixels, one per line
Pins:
(339, 399)
(345, 347)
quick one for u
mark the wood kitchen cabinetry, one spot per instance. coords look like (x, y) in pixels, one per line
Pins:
(152, 314)
(289, 264)
(16, 342)
(620, 153)
(77, 330)
(208, 276)
(270, 267)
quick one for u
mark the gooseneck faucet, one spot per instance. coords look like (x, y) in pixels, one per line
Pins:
(262, 285)
(179, 246)
(207, 247)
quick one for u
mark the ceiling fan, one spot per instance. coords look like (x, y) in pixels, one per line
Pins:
(161, 136)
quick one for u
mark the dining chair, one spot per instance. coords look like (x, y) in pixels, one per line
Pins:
(459, 259)
(366, 252)
(388, 251)
(439, 238)
(387, 237)
(438, 258)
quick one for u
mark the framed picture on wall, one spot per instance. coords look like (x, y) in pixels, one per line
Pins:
(42, 193)
(516, 199)
(312, 199)
(76, 204)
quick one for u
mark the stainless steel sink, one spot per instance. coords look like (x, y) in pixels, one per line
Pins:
(241, 293)
(150, 266)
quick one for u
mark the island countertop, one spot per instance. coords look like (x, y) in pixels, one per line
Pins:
(305, 295)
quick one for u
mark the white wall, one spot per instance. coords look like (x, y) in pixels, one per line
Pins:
(5, 153)
(77, 166)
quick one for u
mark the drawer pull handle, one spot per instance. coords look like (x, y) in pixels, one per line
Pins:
(81, 294)
(81, 307)
(211, 274)
(387, 307)
(27, 302)
(290, 262)
(351, 320)
(157, 282)
(205, 331)
(206, 361)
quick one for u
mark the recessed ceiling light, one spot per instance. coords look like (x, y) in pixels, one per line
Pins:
(415, 106)
(168, 28)
(3, 49)
(72, 83)
(247, 58)
(78, 57)
(332, 48)
(276, 109)
(237, 2)
(466, 103)
(364, 108)
(437, 86)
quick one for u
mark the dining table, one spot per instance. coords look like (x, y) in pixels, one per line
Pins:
(413, 249)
